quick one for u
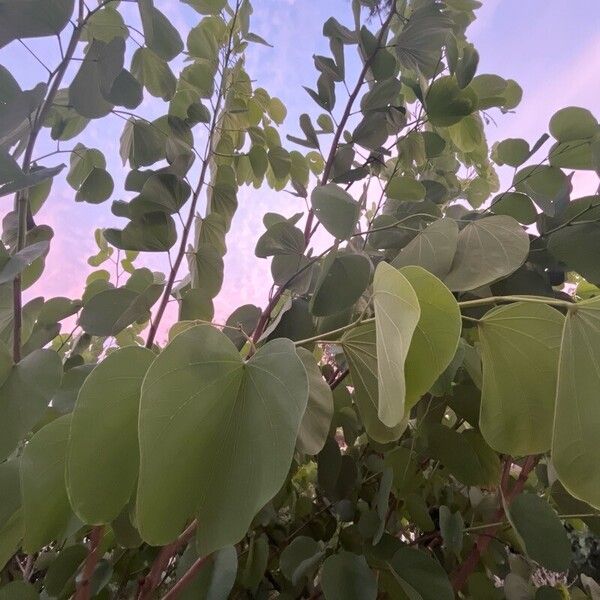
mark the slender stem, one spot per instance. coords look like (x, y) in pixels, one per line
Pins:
(505, 522)
(83, 591)
(531, 299)
(192, 212)
(483, 539)
(22, 197)
(347, 112)
(186, 579)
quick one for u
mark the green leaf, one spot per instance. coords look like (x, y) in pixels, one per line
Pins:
(23, 181)
(513, 152)
(207, 7)
(316, 421)
(547, 186)
(34, 18)
(577, 415)
(468, 135)
(110, 311)
(576, 246)
(142, 144)
(336, 209)
(405, 189)
(488, 249)
(343, 279)
(46, 509)
(216, 579)
(11, 266)
(465, 455)
(418, 45)
(164, 39)
(152, 232)
(89, 90)
(18, 590)
(573, 123)
(540, 531)
(432, 249)
(153, 73)
(451, 529)
(161, 192)
(236, 432)
(397, 314)
(60, 576)
(447, 104)
(360, 348)
(515, 205)
(516, 408)
(280, 238)
(436, 336)
(347, 576)
(25, 394)
(102, 455)
(297, 556)
(415, 575)
(245, 318)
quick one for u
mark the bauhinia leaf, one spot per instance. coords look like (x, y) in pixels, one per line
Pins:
(517, 409)
(397, 313)
(103, 455)
(217, 435)
(577, 412)
(488, 249)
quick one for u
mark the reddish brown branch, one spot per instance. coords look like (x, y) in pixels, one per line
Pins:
(186, 579)
(485, 537)
(161, 562)
(308, 229)
(83, 591)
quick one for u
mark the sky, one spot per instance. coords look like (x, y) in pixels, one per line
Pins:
(554, 54)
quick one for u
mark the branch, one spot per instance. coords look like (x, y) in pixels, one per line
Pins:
(485, 537)
(84, 584)
(186, 579)
(190, 219)
(153, 579)
(342, 124)
(22, 197)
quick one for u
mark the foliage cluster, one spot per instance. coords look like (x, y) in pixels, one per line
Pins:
(413, 414)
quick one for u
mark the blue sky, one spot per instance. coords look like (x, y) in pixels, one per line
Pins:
(551, 47)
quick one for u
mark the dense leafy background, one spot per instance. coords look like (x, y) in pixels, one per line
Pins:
(412, 413)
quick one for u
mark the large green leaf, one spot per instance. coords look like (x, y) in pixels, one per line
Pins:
(153, 73)
(576, 247)
(336, 209)
(319, 410)
(436, 336)
(18, 590)
(25, 394)
(103, 456)
(347, 576)
(414, 575)
(46, 509)
(540, 532)
(517, 408)
(577, 413)
(216, 435)
(488, 249)
(360, 348)
(33, 18)
(397, 314)
(547, 186)
(433, 248)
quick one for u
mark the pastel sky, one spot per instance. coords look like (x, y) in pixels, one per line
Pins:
(551, 47)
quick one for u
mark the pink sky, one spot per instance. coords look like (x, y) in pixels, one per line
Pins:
(554, 54)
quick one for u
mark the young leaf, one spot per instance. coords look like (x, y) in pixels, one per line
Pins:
(336, 210)
(346, 576)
